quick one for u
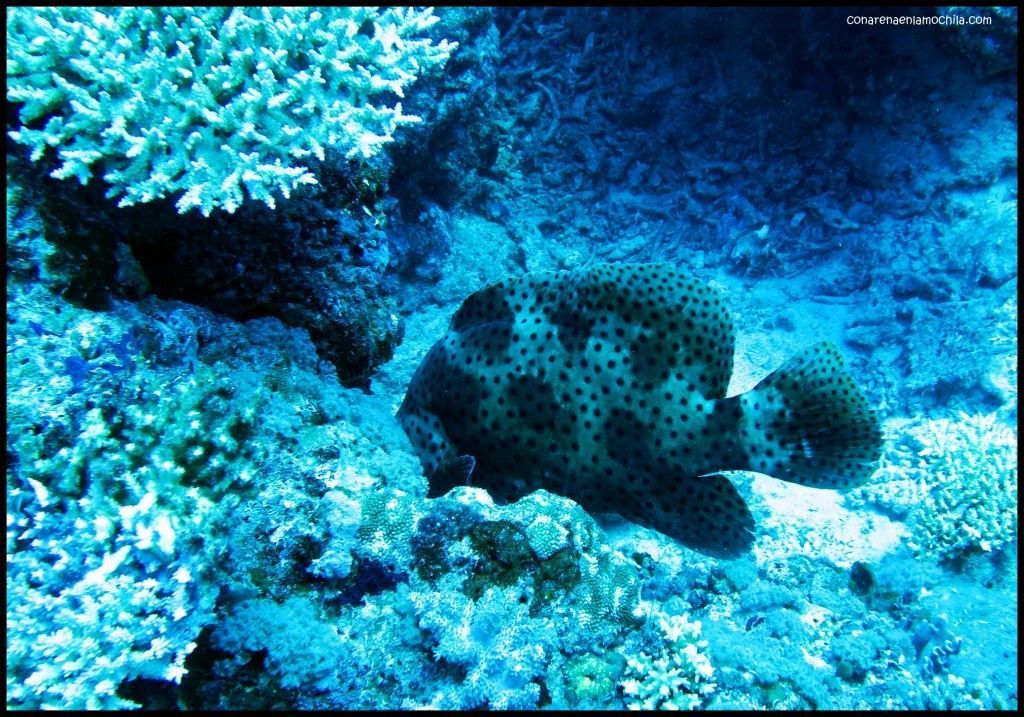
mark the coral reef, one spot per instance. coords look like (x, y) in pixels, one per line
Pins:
(279, 99)
(160, 456)
(119, 451)
(488, 604)
(970, 468)
(592, 681)
(210, 504)
(501, 652)
(545, 543)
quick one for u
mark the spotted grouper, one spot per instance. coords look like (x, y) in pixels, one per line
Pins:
(607, 385)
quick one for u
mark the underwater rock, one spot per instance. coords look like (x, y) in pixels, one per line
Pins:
(861, 579)
(313, 267)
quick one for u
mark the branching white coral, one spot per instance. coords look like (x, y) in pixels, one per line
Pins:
(206, 102)
(87, 610)
(678, 676)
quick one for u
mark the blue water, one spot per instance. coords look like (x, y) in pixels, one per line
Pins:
(234, 235)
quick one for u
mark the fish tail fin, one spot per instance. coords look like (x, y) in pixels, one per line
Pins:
(809, 423)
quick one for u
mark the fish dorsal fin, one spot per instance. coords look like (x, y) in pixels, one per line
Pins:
(675, 326)
(487, 305)
(505, 301)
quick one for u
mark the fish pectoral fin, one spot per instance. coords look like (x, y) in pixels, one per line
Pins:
(708, 514)
(451, 473)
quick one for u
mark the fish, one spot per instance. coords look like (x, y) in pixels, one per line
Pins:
(607, 385)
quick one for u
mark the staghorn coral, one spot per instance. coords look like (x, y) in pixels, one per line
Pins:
(678, 675)
(204, 103)
(93, 601)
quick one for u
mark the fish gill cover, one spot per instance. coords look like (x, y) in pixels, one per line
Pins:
(341, 439)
